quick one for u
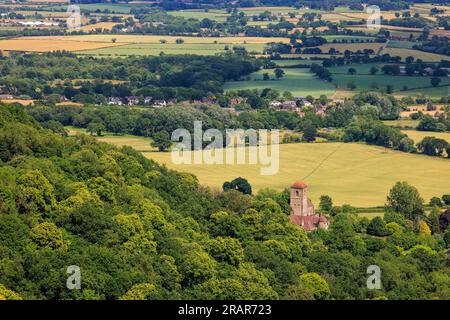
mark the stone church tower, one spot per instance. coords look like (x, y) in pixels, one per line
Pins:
(299, 200)
(302, 209)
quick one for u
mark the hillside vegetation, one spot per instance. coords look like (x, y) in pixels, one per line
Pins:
(140, 231)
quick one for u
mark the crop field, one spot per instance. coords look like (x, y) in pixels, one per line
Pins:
(355, 174)
(298, 81)
(41, 45)
(99, 25)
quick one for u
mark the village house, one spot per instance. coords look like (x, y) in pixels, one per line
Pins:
(302, 209)
(275, 104)
(147, 100)
(115, 101)
(159, 103)
(132, 100)
(237, 100)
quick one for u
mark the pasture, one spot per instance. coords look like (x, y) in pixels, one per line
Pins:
(399, 83)
(300, 82)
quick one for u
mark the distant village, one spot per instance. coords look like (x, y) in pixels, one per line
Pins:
(297, 105)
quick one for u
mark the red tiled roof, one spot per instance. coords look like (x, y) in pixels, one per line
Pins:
(299, 185)
(306, 222)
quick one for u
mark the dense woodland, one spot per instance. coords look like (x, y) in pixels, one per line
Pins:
(140, 231)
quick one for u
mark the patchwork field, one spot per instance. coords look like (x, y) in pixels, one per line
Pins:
(101, 44)
(356, 174)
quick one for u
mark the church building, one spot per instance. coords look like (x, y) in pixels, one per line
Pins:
(302, 209)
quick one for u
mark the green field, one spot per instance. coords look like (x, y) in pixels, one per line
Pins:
(301, 82)
(415, 85)
(170, 48)
(298, 81)
(360, 68)
(401, 44)
(406, 123)
(437, 92)
(355, 174)
(217, 15)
